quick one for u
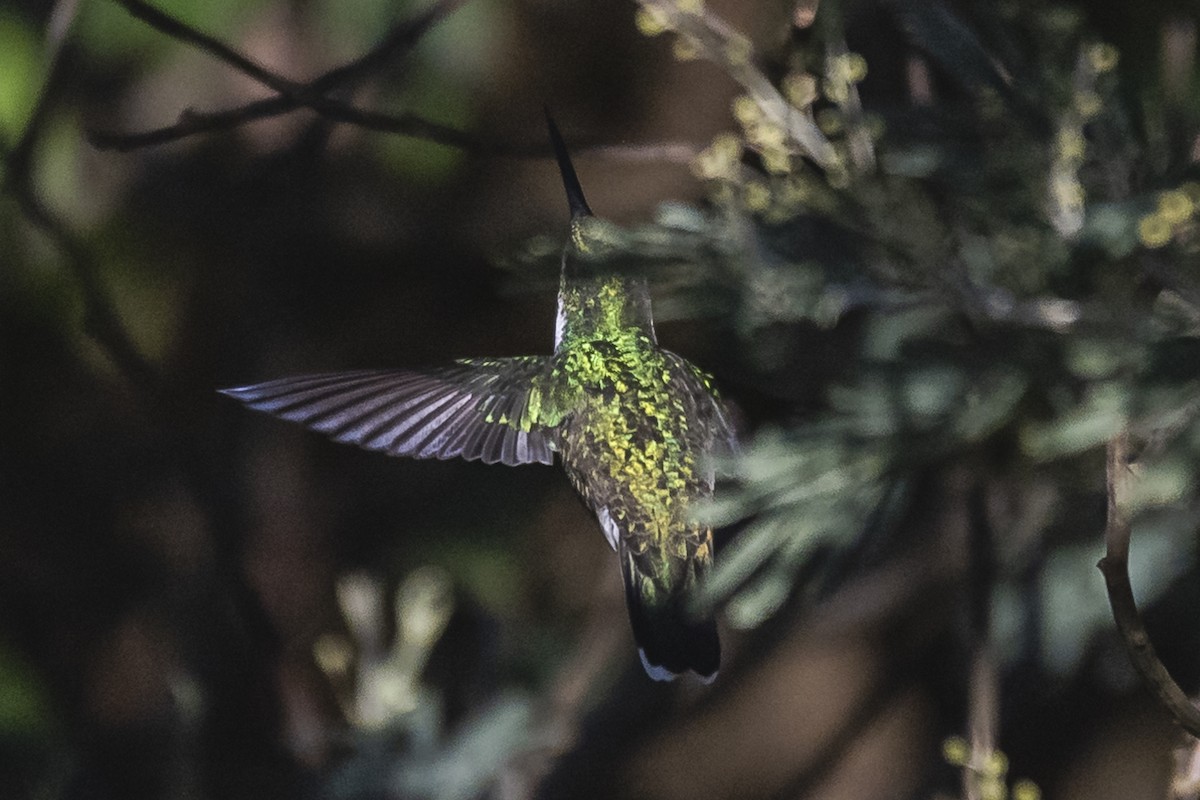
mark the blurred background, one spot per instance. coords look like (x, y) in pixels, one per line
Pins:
(937, 253)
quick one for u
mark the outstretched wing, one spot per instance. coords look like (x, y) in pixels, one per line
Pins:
(473, 409)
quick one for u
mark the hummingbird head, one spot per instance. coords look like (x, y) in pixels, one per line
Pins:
(592, 239)
(594, 292)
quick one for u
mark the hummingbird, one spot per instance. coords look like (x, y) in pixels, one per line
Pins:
(634, 426)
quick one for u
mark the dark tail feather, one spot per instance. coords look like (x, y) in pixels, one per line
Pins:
(670, 641)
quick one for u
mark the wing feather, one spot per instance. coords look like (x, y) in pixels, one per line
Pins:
(470, 410)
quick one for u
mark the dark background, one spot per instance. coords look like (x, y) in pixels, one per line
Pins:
(169, 613)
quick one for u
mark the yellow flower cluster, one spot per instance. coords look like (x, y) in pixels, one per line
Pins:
(990, 775)
(767, 119)
(687, 18)
(652, 20)
(842, 73)
(656, 17)
(720, 159)
(1175, 209)
(1102, 57)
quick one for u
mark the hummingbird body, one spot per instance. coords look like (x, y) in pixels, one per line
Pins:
(634, 426)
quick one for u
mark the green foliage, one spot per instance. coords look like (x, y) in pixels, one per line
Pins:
(21, 67)
(1001, 261)
(1018, 283)
(24, 708)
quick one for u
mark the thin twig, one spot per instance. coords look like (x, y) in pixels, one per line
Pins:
(192, 123)
(983, 703)
(559, 721)
(195, 122)
(102, 322)
(398, 41)
(1115, 566)
(292, 95)
(165, 23)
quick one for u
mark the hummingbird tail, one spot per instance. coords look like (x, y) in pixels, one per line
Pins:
(670, 640)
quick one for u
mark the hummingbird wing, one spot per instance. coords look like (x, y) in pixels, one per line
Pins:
(474, 409)
(706, 406)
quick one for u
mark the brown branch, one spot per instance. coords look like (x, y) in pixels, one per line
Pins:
(1115, 566)
(558, 721)
(291, 95)
(983, 686)
(165, 23)
(101, 322)
(398, 40)
(192, 123)
(316, 96)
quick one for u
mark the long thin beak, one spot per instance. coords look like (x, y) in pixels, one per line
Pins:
(575, 198)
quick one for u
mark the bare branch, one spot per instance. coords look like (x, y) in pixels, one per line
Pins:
(1115, 566)
(102, 321)
(191, 123)
(983, 687)
(165, 23)
(398, 40)
(291, 95)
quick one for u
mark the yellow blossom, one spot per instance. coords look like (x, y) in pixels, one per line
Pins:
(1087, 104)
(745, 110)
(719, 158)
(756, 195)
(800, 89)
(766, 134)
(738, 50)
(1026, 790)
(1070, 144)
(1154, 230)
(686, 48)
(777, 160)
(956, 751)
(652, 20)
(992, 790)
(854, 67)
(727, 146)
(1102, 57)
(1175, 206)
(837, 91)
